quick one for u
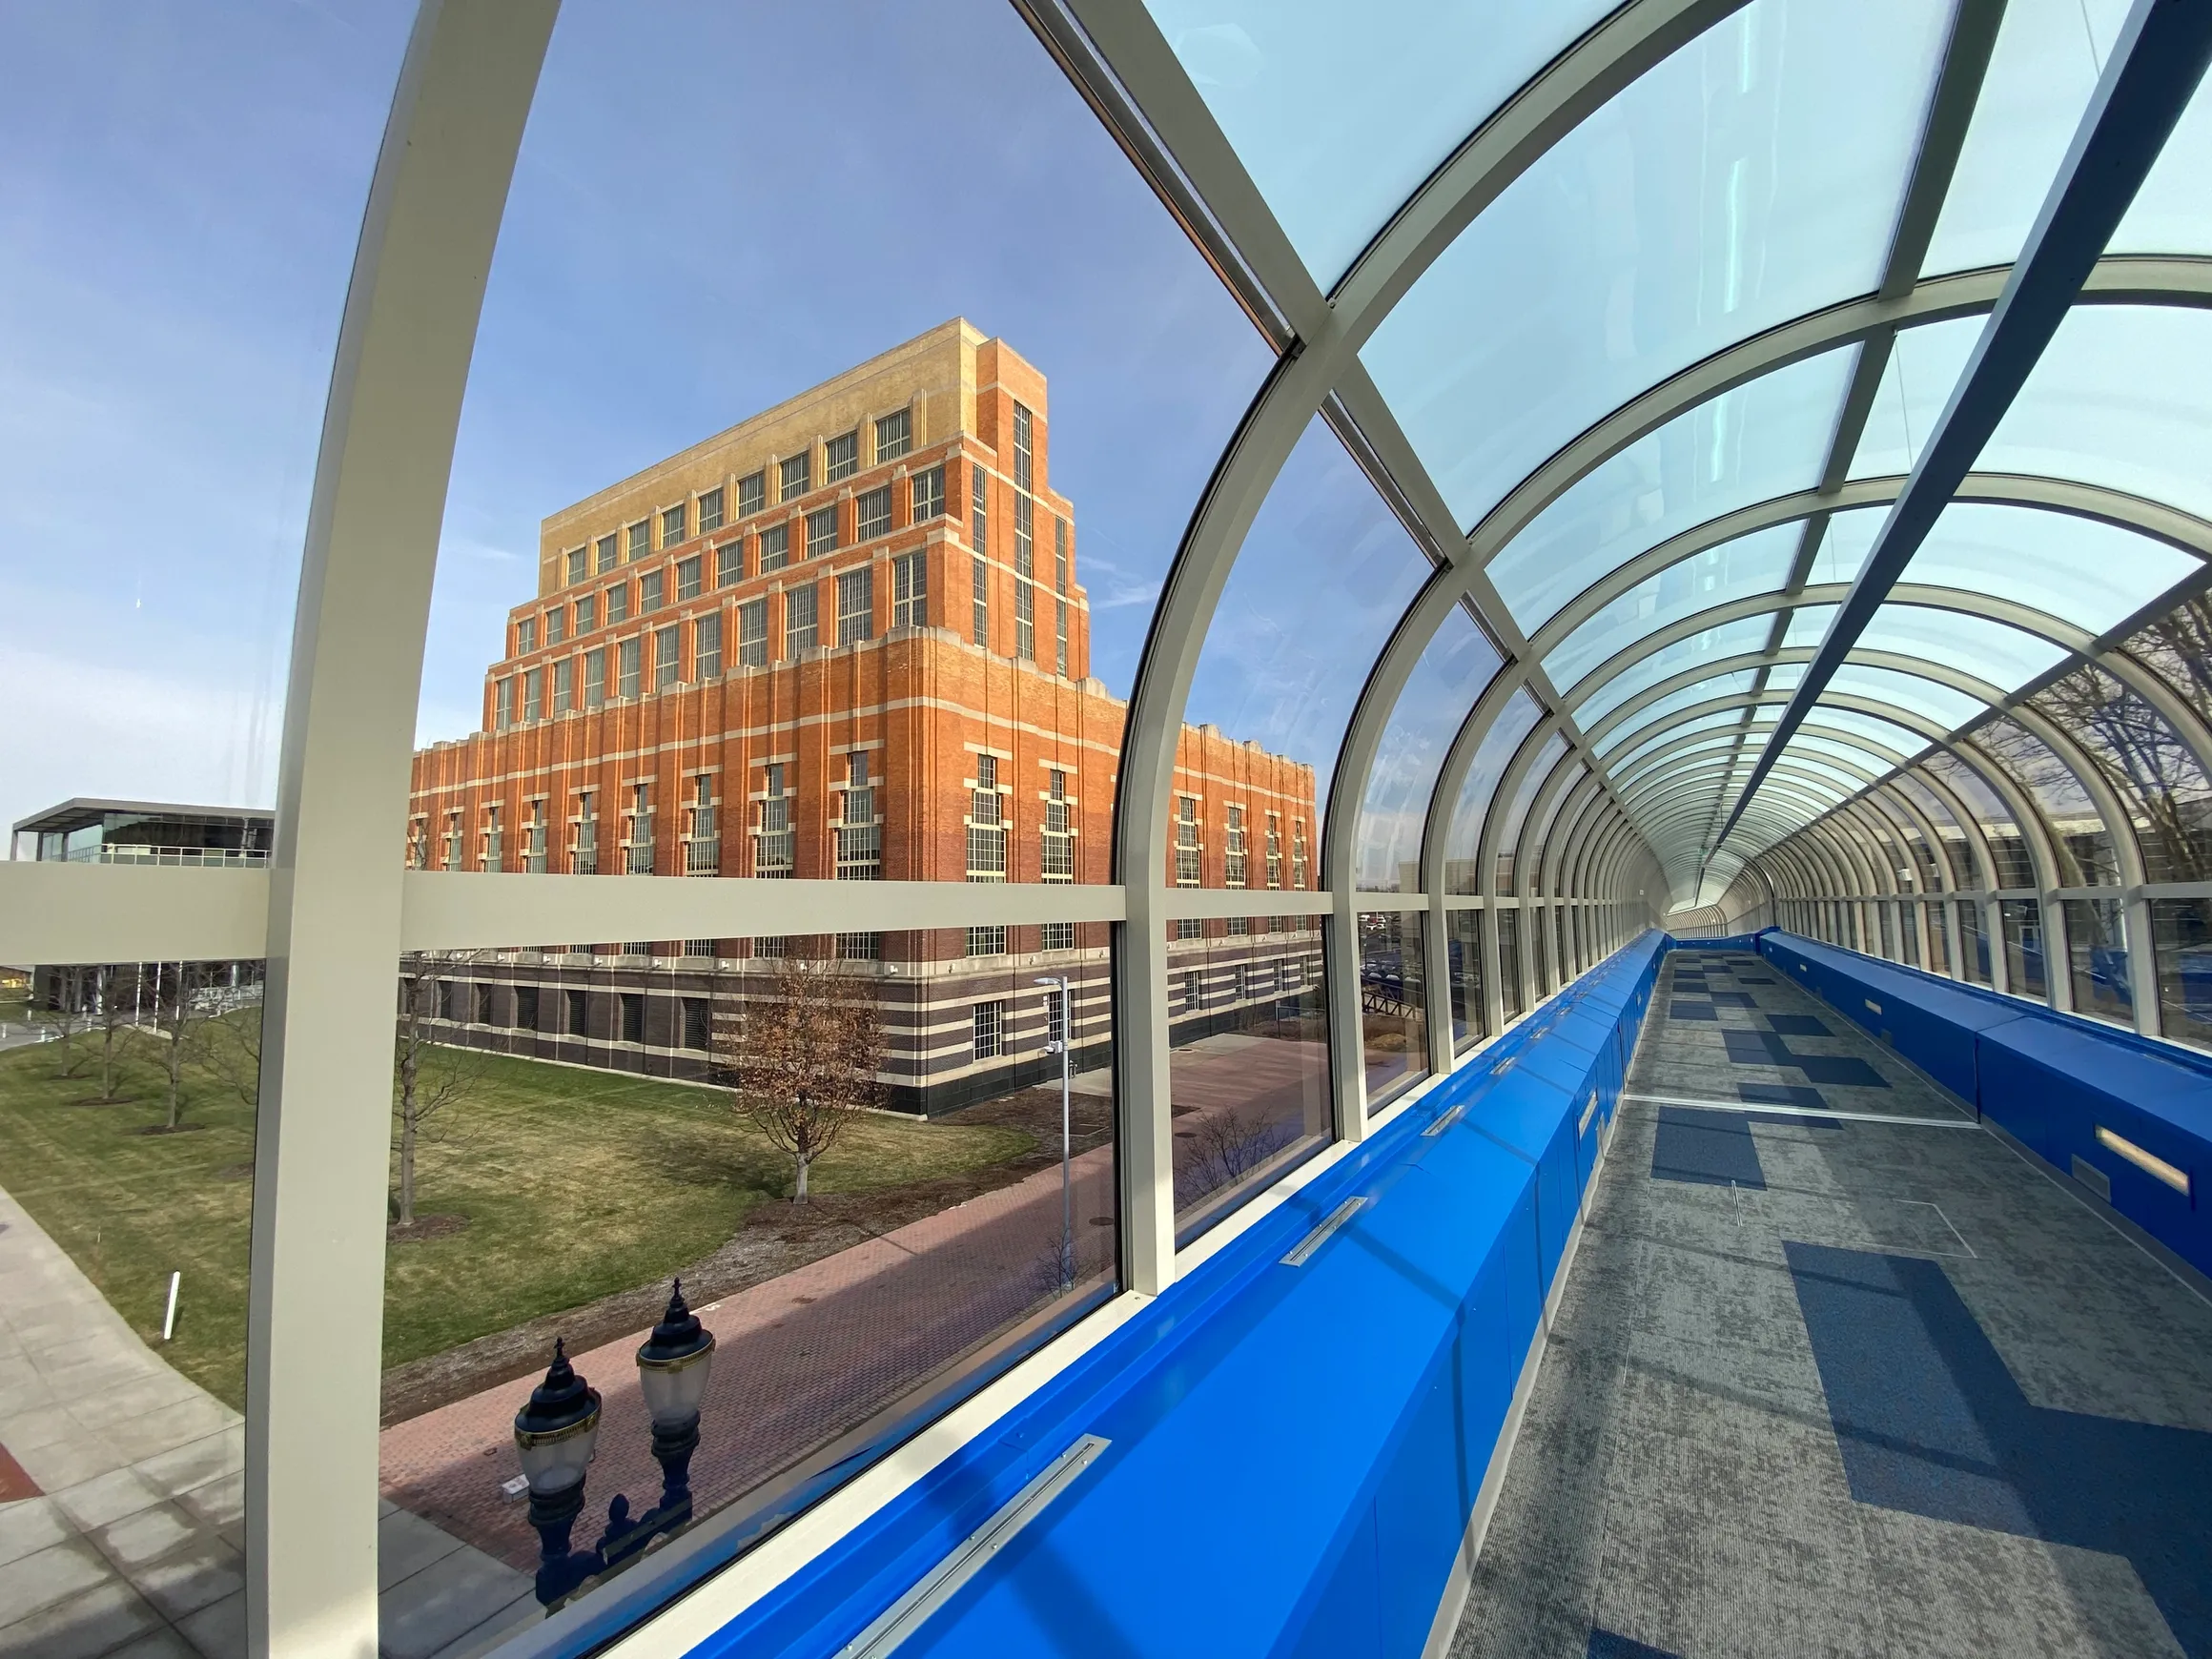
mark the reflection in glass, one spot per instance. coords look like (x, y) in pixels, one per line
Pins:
(2008, 847)
(1510, 984)
(1750, 177)
(1470, 1017)
(2085, 846)
(1938, 940)
(1972, 944)
(1513, 862)
(860, 1269)
(1756, 563)
(2097, 951)
(1492, 755)
(2156, 774)
(1248, 1065)
(1393, 1005)
(1438, 696)
(2181, 939)
(2023, 946)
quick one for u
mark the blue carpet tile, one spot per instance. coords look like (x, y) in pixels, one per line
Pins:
(1690, 1011)
(1757, 1048)
(1797, 1024)
(1711, 1149)
(1845, 1070)
(1930, 1422)
(1605, 1644)
(1734, 999)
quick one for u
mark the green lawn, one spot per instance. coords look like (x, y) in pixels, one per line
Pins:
(575, 1183)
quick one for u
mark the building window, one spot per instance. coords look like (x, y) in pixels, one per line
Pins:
(609, 554)
(556, 625)
(793, 477)
(980, 577)
(1188, 847)
(452, 856)
(752, 493)
(707, 648)
(1023, 449)
(978, 507)
(587, 613)
(775, 547)
(417, 843)
(910, 591)
(856, 606)
(986, 941)
(534, 842)
(928, 494)
(640, 539)
(872, 508)
(632, 1004)
(841, 458)
(578, 1011)
(1189, 928)
(687, 573)
(595, 678)
(1059, 553)
(800, 632)
(1024, 536)
(578, 563)
(534, 695)
(773, 842)
(629, 659)
(617, 604)
(494, 850)
(772, 946)
(1058, 861)
(1274, 850)
(583, 848)
(753, 634)
(649, 592)
(989, 1030)
(502, 705)
(894, 435)
(667, 656)
(710, 511)
(672, 522)
(698, 1017)
(1060, 638)
(525, 636)
(859, 832)
(1298, 859)
(859, 947)
(702, 832)
(637, 833)
(1057, 936)
(708, 948)
(820, 532)
(1233, 847)
(985, 824)
(1024, 622)
(729, 564)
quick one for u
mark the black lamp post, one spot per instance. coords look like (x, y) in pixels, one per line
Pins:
(557, 1431)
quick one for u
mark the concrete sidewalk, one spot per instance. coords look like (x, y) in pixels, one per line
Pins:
(133, 1542)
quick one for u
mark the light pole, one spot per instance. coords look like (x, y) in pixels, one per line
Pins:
(1066, 1042)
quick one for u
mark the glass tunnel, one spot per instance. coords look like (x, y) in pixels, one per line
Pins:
(1414, 797)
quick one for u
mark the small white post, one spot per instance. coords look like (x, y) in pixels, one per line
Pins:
(169, 1319)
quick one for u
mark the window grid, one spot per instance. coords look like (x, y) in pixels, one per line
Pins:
(774, 841)
(910, 591)
(859, 828)
(841, 458)
(893, 435)
(856, 606)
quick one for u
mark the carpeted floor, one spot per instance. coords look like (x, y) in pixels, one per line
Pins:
(1836, 1372)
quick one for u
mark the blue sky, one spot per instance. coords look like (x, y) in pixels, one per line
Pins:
(715, 208)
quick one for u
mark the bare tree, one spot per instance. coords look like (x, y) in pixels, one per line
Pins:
(2145, 760)
(229, 1048)
(67, 1016)
(802, 1060)
(173, 990)
(425, 1092)
(115, 990)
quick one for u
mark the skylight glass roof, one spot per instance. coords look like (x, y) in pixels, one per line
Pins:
(1756, 563)
(2003, 656)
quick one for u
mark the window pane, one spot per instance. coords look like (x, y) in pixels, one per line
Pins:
(1506, 840)
(1756, 563)
(1438, 695)
(1717, 685)
(1741, 637)
(1752, 177)
(1393, 1010)
(1973, 943)
(2097, 950)
(2181, 936)
(2086, 857)
(1914, 695)
(2023, 946)
(2145, 763)
(1470, 1018)
(1493, 756)
(1248, 1065)
(1509, 980)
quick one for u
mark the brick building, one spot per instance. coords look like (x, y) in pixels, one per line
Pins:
(842, 640)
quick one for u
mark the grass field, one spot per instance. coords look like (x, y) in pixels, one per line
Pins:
(575, 1184)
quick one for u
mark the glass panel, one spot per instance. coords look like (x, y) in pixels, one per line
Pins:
(1507, 842)
(2090, 574)
(1537, 838)
(1470, 1017)
(2182, 937)
(1939, 939)
(1509, 981)
(2023, 946)
(1733, 638)
(1909, 933)
(1900, 740)
(1924, 365)
(1337, 125)
(2178, 647)
(1752, 177)
(1807, 626)
(1956, 852)
(2005, 656)
(1437, 697)
(2048, 57)
(2097, 951)
(1766, 438)
(858, 1269)
(1492, 755)
(2154, 772)
(2007, 846)
(1393, 1010)
(1972, 944)
(1756, 563)
(1323, 577)
(1888, 932)
(1729, 685)
(1248, 1061)
(1933, 702)
(1726, 721)
(2086, 857)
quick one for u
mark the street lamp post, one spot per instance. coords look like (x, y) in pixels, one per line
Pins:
(1065, 1045)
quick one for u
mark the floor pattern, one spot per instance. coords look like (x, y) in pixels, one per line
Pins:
(1837, 1373)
